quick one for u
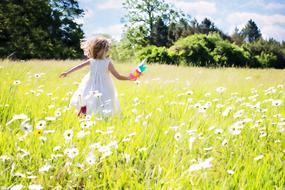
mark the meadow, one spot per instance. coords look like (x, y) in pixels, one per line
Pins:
(180, 128)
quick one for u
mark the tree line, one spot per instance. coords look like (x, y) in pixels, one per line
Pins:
(158, 32)
(154, 30)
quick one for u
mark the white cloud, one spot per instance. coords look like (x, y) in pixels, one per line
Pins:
(198, 7)
(270, 25)
(115, 30)
(110, 4)
(265, 5)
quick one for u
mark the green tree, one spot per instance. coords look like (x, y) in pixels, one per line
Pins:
(141, 17)
(40, 29)
(207, 26)
(160, 33)
(236, 37)
(251, 32)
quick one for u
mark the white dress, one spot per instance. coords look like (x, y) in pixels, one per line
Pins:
(97, 91)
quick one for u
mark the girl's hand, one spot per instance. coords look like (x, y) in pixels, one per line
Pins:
(62, 75)
(132, 77)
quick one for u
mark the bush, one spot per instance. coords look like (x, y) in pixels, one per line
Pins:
(213, 51)
(266, 54)
(209, 50)
(154, 54)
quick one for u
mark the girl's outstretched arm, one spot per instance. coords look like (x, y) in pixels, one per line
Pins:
(77, 67)
(115, 72)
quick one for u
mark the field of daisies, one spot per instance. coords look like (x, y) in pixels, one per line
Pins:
(180, 128)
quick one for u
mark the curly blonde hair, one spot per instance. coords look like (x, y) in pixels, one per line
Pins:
(93, 47)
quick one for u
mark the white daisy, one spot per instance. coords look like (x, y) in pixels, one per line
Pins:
(231, 172)
(71, 152)
(220, 89)
(16, 82)
(82, 134)
(57, 113)
(56, 148)
(35, 187)
(142, 149)
(45, 168)
(227, 111)
(91, 159)
(18, 117)
(276, 102)
(177, 136)
(37, 75)
(201, 165)
(5, 157)
(26, 127)
(68, 134)
(259, 157)
(225, 142)
(50, 118)
(219, 131)
(106, 154)
(17, 187)
(41, 124)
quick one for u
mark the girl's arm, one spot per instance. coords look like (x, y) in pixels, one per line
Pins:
(77, 67)
(115, 72)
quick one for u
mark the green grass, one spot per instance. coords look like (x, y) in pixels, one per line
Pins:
(160, 114)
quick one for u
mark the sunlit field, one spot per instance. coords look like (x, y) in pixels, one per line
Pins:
(180, 128)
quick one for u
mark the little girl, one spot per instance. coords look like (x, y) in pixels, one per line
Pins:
(96, 91)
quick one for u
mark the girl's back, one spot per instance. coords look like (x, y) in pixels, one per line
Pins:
(99, 67)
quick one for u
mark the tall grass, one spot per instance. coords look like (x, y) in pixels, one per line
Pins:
(180, 128)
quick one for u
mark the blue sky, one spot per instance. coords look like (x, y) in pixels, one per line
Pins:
(104, 16)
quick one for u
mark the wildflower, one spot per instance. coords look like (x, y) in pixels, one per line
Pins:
(262, 134)
(71, 152)
(37, 75)
(85, 124)
(235, 128)
(82, 134)
(41, 124)
(220, 90)
(175, 127)
(35, 187)
(201, 165)
(231, 172)
(106, 154)
(225, 142)
(95, 145)
(57, 113)
(276, 102)
(16, 82)
(50, 118)
(142, 149)
(26, 126)
(127, 157)
(17, 187)
(45, 168)
(5, 157)
(56, 148)
(189, 92)
(17, 117)
(38, 132)
(259, 157)
(219, 131)
(177, 136)
(227, 111)
(91, 159)
(68, 134)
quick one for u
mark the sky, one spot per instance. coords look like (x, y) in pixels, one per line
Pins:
(104, 16)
